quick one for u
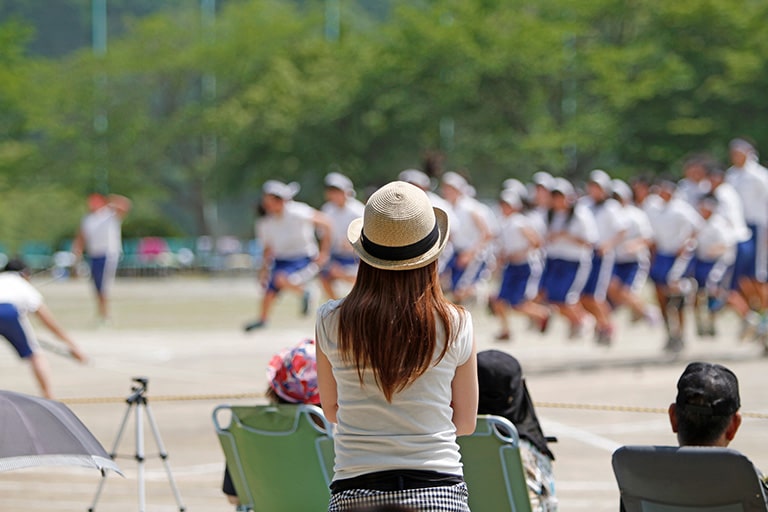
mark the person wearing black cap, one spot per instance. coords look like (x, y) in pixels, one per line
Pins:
(503, 392)
(706, 410)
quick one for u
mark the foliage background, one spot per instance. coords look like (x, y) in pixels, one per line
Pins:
(189, 114)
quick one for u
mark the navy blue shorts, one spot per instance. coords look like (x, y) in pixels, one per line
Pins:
(563, 280)
(467, 276)
(514, 284)
(348, 264)
(750, 257)
(626, 272)
(668, 267)
(12, 329)
(298, 271)
(103, 270)
(599, 277)
(701, 271)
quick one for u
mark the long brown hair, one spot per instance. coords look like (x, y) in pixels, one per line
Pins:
(388, 324)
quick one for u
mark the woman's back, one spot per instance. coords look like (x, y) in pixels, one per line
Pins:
(415, 429)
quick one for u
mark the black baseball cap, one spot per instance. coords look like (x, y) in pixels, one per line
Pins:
(708, 389)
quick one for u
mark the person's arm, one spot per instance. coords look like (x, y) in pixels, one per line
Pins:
(46, 317)
(78, 245)
(530, 234)
(326, 383)
(267, 256)
(120, 204)
(464, 395)
(325, 231)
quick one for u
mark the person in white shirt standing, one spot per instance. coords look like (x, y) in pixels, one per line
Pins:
(341, 208)
(100, 237)
(291, 255)
(18, 298)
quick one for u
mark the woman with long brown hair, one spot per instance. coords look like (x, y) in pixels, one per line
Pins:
(397, 366)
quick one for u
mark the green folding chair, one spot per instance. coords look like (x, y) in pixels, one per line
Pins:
(493, 468)
(280, 457)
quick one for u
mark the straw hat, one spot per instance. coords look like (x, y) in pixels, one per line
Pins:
(399, 229)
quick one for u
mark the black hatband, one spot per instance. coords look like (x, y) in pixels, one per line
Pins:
(405, 252)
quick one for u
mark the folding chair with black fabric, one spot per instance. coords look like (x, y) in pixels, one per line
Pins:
(493, 468)
(280, 457)
(687, 479)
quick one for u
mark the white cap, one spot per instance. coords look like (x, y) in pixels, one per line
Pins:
(511, 197)
(621, 189)
(543, 179)
(282, 190)
(339, 181)
(563, 186)
(514, 184)
(601, 179)
(456, 181)
(415, 177)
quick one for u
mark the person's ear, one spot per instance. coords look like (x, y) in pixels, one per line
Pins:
(672, 411)
(733, 426)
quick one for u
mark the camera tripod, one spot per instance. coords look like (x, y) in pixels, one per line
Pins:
(138, 400)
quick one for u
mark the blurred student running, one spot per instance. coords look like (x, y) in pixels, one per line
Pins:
(18, 298)
(291, 256)
(517, 245)
(341, 208)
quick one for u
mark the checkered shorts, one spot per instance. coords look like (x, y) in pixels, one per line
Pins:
(452, 498)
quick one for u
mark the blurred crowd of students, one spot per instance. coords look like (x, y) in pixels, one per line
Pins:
(556, 246)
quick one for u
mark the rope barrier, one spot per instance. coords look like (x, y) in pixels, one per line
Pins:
(243, 396)
(626, 408)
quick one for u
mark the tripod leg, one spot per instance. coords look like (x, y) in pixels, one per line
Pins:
(164, 456)
(112, 454)
(140, 457)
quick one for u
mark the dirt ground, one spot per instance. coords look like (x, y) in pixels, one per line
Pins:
(185, 335)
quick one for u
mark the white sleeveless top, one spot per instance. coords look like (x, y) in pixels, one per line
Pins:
(415, 431)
